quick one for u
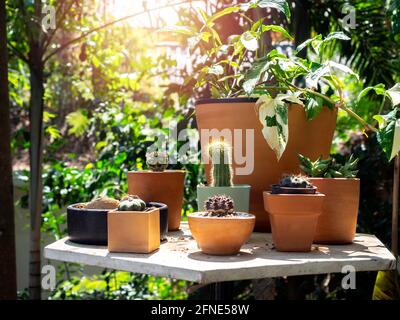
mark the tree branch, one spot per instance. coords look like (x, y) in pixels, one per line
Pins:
(84, 35)
(18, 53)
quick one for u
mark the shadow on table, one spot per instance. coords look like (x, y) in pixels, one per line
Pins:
(240, 257)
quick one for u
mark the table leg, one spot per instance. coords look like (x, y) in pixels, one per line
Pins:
(222, 290)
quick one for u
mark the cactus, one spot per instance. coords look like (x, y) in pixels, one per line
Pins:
(102, 203)
(292, 181)
(219, 152)
(132, 203)
(329, 168)
(157, 161)
(219, 206)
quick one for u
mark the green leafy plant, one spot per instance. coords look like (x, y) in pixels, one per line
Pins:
(219, 152)
(231, 71)
(328, 168)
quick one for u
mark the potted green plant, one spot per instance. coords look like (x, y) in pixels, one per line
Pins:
(133, 227)
(221, 178)
(338, 221)
(242, 80)
(160, 185)
(294, 207)
(220, 229)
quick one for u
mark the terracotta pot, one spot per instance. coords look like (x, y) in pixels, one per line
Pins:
(221, 235)
(338, 221)
(165, 187)
(310, 138)
(239, 193)
(134, 231)
(294, 219)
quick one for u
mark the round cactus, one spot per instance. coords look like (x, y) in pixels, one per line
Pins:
(219, 205)
(132, 203)
(157, 161)
(102, 203)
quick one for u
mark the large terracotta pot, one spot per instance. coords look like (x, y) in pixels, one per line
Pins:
(165, 187)
(338, 221)
(294, 219)
(310, 138)
(221, 235)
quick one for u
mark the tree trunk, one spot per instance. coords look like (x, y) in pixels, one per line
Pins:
(8, 274)
(36, 157)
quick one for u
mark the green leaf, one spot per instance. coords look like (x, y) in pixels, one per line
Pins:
(249, 41)
(313, 107)
(280, 5)
(273, 115)
(389, 133)
(222, 13)
(308, 42)
(343, 68)
(278, 29)
(394, 94)
(78, 122)
(379, 90)
(253, 76)
(215, 69)
(185, 30)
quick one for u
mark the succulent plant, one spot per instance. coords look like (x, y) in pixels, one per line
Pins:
(157, 160)
(221, 175)
(132, 203)
(295, 181)
(328, 168)
(102, 203)
(219, 206)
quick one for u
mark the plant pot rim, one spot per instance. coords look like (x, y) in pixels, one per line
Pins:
(269, 194)
(156, 172)
(134, 212)
(242, 216)
(72, 207)
(334, 179)
(235, 186)
(158, 205)
(225, 100)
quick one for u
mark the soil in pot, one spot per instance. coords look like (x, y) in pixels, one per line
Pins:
(240, 114)
(294, 219)
(165, 187)
(338, 221)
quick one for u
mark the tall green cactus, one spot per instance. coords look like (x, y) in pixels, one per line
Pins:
(219, 152)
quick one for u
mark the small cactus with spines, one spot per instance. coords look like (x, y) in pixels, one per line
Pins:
(157, 161)
(221, 174)
(219, 206)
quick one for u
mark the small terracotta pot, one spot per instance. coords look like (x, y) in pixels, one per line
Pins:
(294, 219)
(221, 236)
(165, 187)
(134, 231)
(338, 222)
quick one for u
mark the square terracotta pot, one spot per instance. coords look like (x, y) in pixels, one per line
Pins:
(134, 231)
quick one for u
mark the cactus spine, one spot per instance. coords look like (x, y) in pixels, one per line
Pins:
(219, 152)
